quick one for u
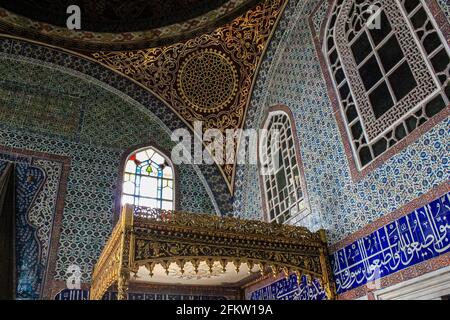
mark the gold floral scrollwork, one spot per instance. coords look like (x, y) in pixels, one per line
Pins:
(208, 78)
(150, 240)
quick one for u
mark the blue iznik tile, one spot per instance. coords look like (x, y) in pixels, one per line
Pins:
(289, 289)
(353, 253)
(371, 244)
(30, 272)
(393, 234)
(383, 238)
(416, 237)
(341, 258)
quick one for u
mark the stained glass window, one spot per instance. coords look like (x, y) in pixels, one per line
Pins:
(282, 182)
(148, 180)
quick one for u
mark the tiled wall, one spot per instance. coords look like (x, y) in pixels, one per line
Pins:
(124, 88)
(291, 75)
(46, 110)
(30, 261)
(289, 289)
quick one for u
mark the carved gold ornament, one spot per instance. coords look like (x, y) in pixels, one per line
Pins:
(208, 78)
(240, 45)
(207, 81)
(149, 237)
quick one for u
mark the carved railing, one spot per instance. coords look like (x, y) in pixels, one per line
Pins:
(148, 237)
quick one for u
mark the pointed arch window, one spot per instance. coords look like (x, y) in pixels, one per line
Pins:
(149, 180)
(391, 68)
(282, 184)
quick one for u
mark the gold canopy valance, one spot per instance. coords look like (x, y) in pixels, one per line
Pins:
(151, 237)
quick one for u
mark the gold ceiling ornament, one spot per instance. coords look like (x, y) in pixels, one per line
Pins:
(179, 76)
(88, 40)
(207, 81)
(149, 237)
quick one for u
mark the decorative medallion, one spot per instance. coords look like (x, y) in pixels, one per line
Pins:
(207, 81)
(208, 78)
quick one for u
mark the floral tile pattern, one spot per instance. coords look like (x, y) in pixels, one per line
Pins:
(445, 5)
(95, 139)
(291, 75)
(127, 90)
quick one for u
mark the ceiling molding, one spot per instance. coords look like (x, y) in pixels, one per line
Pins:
(88, 40)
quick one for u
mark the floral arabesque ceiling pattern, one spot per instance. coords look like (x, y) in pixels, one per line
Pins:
(236, 49)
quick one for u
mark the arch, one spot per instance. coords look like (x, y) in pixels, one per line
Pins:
(149, 179)
(389, 65)
(127, 89)
(294, 203)
(123, 167)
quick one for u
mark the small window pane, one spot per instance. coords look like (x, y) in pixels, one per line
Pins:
(390, 53)
(166, 205)
(130, 167)
(410, 5)
(167, 172)
(431, 42)
(128, 187)
(381, 100)
(440, 61)
(402, 81)
(148, 187)
(157, 158)
(142, 156)
(419, 18)
(370, 73)
(126, 199)
(149, 203)
(361, 48)
(167, 193)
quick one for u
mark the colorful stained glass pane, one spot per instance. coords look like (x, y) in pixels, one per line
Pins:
(148, 180)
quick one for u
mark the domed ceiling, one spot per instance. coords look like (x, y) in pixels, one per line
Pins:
(114, 15)
(118, 24)
(205, 78)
